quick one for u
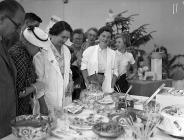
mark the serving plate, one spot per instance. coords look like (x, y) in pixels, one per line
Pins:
(109, 130)
(106, 100)
(74, 108)
(63, 133)
(83, 122)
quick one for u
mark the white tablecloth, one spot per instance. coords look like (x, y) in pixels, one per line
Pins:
(87, 135)
(158, 136)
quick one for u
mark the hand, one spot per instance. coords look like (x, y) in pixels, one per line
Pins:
(26, 92)
(43, 107)
(69, 89)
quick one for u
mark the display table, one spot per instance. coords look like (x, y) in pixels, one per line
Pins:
(147, 87)
(90, 135)
(159, 136)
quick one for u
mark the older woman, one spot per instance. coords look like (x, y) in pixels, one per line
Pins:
(60, 75)
(98, 62)
(57, 73)
(124, 60)
(91, 36)
(52, 64)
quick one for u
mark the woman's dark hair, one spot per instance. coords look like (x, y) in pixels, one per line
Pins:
(105, 28)
(59, 27)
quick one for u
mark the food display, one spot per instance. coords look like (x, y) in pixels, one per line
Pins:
(74, 108)
(173, 91)
(125, 103)
(177, 92)
(106, 100)
(136, 116)
(63, 133)
(173, 120)
(111, 130)
(92, 94)
(86, 122)
(31, 127)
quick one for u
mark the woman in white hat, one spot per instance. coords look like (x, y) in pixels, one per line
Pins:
(52, 63)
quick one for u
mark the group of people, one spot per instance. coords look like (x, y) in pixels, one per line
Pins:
(41, 73)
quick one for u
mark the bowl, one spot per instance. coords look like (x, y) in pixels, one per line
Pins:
(31, 127)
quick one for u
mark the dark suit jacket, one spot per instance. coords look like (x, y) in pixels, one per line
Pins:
(7, 91)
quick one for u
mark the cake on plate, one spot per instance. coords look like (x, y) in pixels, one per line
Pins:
(173, 120)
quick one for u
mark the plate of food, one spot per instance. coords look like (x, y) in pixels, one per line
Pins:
(84, 122)
(74, 108)
(110, 130)
(173, 120)
(63, 133)
(106, 100)
(177, 92)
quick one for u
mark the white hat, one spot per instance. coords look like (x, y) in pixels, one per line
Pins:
(36, 36)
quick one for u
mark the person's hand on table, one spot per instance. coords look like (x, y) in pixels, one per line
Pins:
(43, 107)
(69, 89)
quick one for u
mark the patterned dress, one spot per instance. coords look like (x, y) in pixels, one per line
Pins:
(25, 75)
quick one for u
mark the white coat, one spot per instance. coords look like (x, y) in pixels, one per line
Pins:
(90, 62)
(48, 71)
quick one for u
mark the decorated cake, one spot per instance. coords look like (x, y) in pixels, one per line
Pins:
(173, 120)
(93, 93)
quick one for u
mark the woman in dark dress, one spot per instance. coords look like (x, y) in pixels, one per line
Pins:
(26, 84)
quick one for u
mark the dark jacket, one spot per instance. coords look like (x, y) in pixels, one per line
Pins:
(25, 75)
(7, 91)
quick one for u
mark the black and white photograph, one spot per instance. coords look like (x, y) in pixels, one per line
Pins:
(91, 69)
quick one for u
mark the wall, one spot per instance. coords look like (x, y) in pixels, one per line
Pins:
(88, 13)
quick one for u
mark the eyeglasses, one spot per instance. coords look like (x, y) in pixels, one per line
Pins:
(18, 26)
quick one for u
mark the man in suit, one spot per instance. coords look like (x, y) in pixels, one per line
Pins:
(11, 19)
